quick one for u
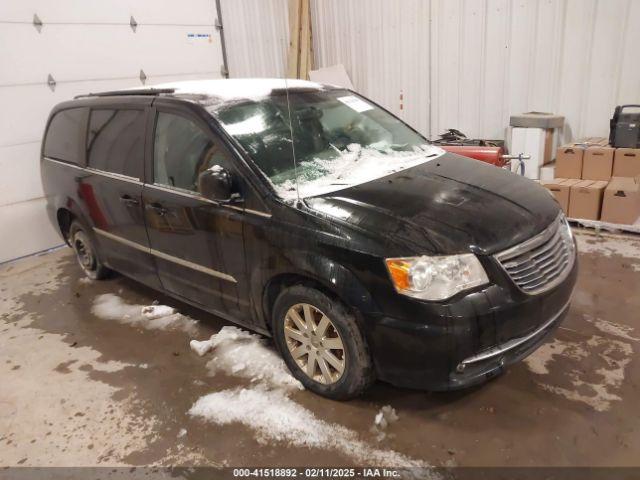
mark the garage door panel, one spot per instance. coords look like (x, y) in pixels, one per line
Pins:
(191, 12)
(170, 51)
(160, 79)
(78, 53)
(20, 179)
(65, 10)
(113, 11)
(68, 52)
(26, 229)
(25, 108)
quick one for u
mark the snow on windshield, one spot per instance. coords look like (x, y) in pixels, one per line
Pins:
(352, 166)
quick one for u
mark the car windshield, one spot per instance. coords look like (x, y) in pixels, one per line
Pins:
(339, 139)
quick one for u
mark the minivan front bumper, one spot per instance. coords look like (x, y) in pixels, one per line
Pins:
(490, 363)
(468, 341)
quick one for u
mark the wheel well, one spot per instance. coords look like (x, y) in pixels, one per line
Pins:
(280, 282)
(65, 218)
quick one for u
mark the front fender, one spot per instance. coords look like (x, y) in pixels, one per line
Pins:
(330, 274)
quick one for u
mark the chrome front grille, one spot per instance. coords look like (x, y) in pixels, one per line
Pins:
(543, 261)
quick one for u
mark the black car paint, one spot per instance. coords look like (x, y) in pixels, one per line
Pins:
(337, 242)
(446, 220)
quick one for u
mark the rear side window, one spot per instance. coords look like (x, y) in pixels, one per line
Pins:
(65, 136)
(182, 150)
(116, 141)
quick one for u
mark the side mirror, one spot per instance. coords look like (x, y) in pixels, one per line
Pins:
(215, 184)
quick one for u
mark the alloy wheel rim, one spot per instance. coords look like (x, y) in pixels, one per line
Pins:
(83, 253)
(314, 343)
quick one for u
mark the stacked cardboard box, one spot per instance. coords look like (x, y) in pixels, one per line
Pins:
(622, 201)
(595, 181)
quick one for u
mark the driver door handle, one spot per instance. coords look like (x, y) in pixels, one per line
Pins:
(158, 208)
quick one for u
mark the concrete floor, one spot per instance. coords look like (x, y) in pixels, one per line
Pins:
(81, 390)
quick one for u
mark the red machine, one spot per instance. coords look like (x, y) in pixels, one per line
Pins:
(488, 151)
(492, 155)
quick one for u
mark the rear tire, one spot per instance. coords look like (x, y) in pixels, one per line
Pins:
(321, 343)
(86, 252)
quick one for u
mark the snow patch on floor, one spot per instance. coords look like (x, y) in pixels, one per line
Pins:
(612, 328)
(275, 417)
(111, 366)
(150, 317)
(201, 347)
(239, 353)
(266, 407)
(591, 372)
(385, 417)
(610, 244)
(153, 312)
(538, 362)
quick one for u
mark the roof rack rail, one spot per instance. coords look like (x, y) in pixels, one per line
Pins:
(134, 91)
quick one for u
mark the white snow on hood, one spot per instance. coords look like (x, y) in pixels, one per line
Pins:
(354, 166)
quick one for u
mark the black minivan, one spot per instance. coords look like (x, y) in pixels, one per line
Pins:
(311, 214)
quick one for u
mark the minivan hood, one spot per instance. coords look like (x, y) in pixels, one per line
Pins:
(449, 205)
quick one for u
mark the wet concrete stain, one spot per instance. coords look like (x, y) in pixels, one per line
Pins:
(122, 393)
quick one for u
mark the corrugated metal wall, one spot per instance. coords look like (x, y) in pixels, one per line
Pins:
(466, 64)
(257, 37)
(384, 46)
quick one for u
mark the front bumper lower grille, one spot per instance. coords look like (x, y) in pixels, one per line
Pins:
(542, 262)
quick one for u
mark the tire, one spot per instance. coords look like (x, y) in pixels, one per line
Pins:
(319, 343)
(86, 253)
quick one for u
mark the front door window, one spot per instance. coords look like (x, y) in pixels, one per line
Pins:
(182, 151)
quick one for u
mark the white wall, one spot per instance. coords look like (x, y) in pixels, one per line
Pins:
(257, 37)
(466, 64)
(496, 58)
(384, 46)
(86, 45)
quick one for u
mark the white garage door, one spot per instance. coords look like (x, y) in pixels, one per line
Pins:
(84, 46)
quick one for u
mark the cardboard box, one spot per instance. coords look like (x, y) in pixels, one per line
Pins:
(560, 188)
(593, 141)
(585, 199)
(569, 161)
(622, 201)
(597, 163)
(626, 162)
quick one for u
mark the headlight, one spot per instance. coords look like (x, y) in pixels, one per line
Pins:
(436, 278)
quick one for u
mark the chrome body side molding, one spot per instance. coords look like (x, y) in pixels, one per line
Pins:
(164, 256)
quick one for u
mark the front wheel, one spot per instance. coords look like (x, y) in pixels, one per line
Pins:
(321, 343)
(86, 253)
